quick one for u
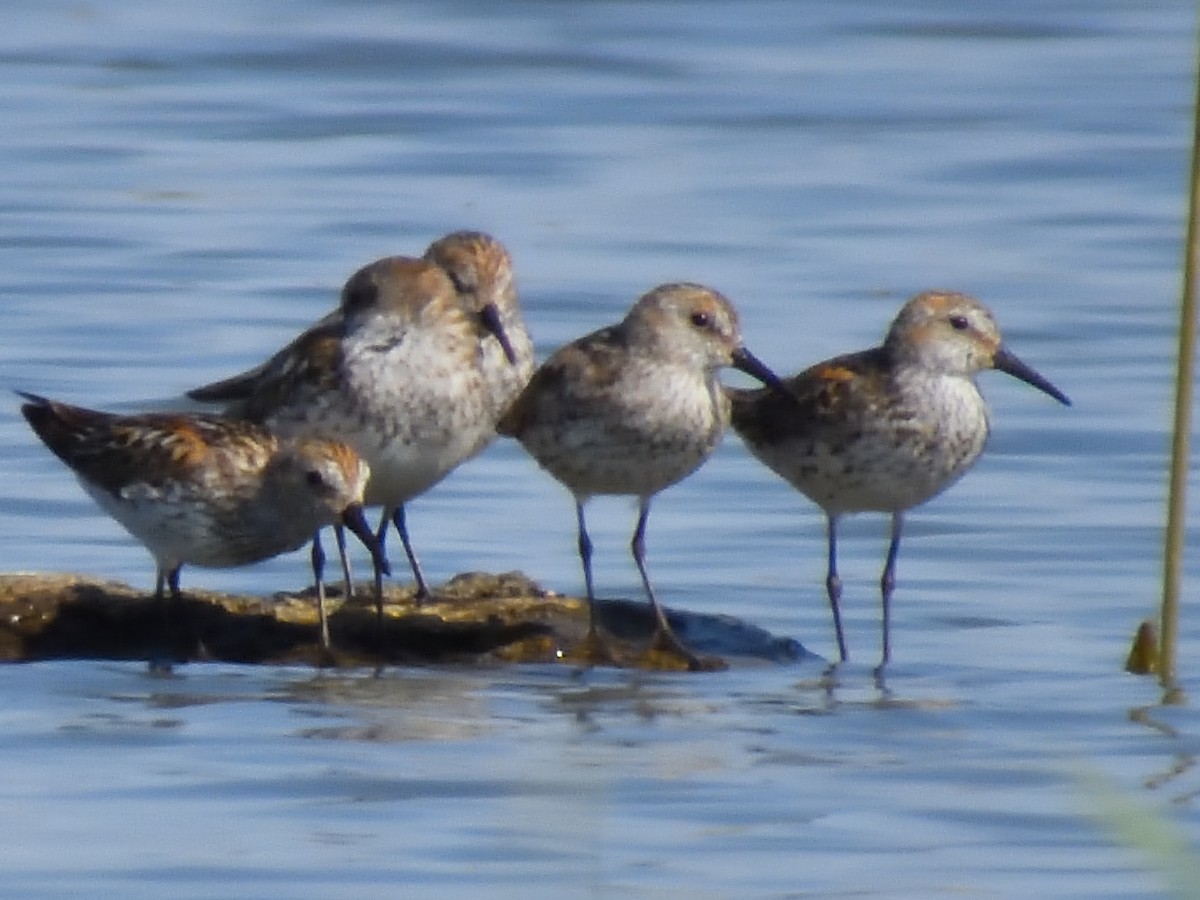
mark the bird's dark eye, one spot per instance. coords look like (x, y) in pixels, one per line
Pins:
(701, 319)
(314, 478)
(461, 284)
(959, 323)
(360, 292)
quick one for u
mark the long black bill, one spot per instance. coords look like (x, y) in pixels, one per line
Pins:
(745, 361)
(490, 316)
(1006, 362)
(354, 519)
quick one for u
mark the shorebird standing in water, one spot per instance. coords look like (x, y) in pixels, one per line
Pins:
(632, 409)
(885, 429)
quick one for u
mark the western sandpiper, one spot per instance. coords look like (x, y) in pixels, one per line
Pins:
(632, 409)
(207, 491)
(885, 429)
(411, 370)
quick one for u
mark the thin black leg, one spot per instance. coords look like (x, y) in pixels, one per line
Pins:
(160, 657)
(833, 585)
(887, 584)
(318, 569)
(339, 535)
(663, 632)
(585, 557)
(169, 614)
(173, 585)
(401, 524)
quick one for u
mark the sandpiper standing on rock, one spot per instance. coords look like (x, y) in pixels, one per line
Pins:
(208, 491)
(632, 409)
(888, 428)
(411, 370)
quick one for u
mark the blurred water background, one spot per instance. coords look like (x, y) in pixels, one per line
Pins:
(183, 187)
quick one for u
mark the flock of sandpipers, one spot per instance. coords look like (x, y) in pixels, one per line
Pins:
(425, 360)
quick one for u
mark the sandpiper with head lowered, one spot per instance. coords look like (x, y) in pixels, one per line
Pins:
(207, 491)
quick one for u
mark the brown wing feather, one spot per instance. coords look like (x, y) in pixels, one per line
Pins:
(236, 387)
(575, 371)
(279, 368)
(112, 451)
(838, 390)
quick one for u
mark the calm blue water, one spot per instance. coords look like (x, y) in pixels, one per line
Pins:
(182, 190)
